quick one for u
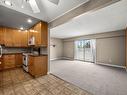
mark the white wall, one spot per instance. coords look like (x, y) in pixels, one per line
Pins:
(111, 51)
(57, 51)
(110, 47)
(68, 49)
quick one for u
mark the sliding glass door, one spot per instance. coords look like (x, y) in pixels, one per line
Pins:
(85, 50)
(79, 50)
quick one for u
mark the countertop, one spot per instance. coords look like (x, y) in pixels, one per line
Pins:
(10, 53)
(35, 55)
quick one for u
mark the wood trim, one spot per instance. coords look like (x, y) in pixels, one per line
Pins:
(89, 6)
(126, 46)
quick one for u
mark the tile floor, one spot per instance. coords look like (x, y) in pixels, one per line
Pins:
(17, 82)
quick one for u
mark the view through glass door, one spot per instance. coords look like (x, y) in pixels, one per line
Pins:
(85, 50)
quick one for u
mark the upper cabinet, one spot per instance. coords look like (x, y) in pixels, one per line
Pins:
(20, 38)
(1, 35)
(14, 38)
(39, 33)
(44, 34)
(8, 37)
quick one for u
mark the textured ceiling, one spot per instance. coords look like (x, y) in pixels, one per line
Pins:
(49, 11)
(111, 18)
(14, 19)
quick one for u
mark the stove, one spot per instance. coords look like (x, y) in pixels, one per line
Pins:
(25, 62)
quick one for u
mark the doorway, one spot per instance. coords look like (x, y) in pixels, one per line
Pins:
(85, 50)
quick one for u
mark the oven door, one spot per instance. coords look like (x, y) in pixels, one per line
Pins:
(25, 68)
(25, 60)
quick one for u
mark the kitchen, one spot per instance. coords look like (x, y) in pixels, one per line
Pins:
(21, 47)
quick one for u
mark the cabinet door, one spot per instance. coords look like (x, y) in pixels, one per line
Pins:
(18, 60)
(1, 35)
(45, 66)
(40, 65)
(1, 64)
(44, 34)
(24, 38)
(9, 61)
(30, 33)
(31, 67)
(16, 38)
(8, 38)
(37, 34)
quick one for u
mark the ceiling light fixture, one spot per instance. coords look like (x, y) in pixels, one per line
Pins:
(29, 21)
(8, 2)
(21, 28)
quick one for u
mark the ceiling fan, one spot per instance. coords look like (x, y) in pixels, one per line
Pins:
(33, 4)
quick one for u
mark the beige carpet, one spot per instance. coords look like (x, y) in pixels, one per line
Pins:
(97, 79)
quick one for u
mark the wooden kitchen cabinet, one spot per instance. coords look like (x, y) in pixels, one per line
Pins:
(8, 37)
(44, 34)
(8, 61)
(24, 38)
(37, 65)
(11, 61)
(16, 38)
(20, 38)
(18, 60)
(40, 32)
(1, 64)
(1, 35)
(11, 37)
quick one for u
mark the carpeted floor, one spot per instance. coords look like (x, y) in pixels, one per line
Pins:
(97, 79)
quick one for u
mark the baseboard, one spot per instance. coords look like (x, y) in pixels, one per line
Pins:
(66, 58)
(48, 73)
(55, 59)
(112, 65)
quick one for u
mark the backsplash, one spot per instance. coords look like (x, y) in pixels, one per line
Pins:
(7, 50)
(14, 50)
(43, 50)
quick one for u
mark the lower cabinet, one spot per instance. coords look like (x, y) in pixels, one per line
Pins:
(9, 61)
(18, 60)
(37, 65)
(1, 64)
(12, 61)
